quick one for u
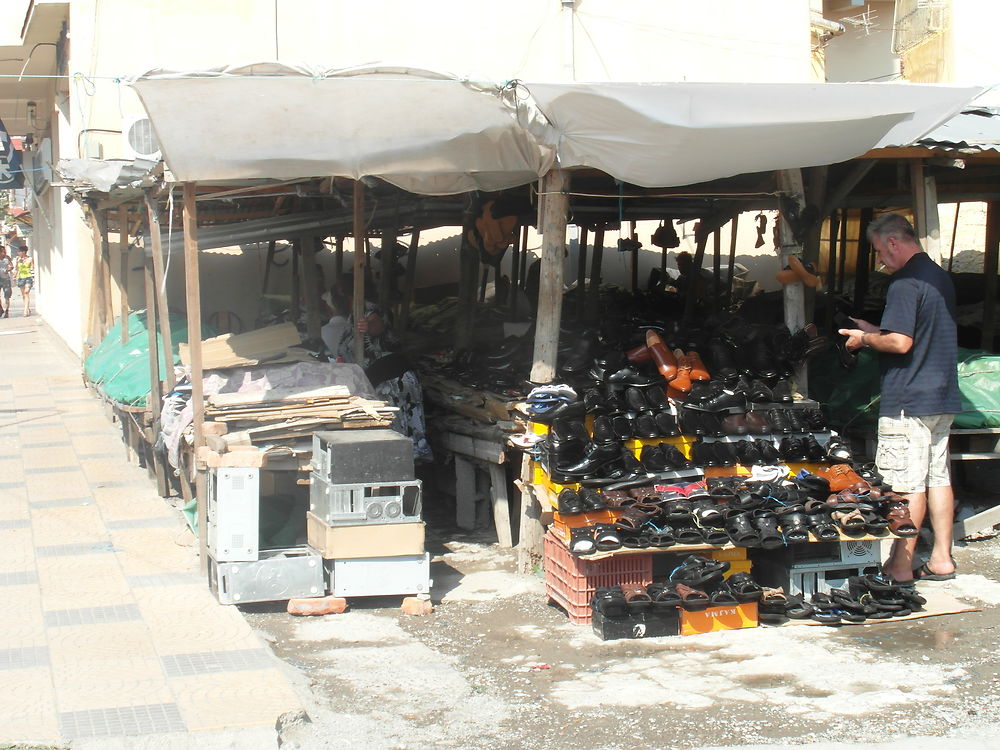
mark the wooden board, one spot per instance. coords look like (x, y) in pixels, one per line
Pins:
(253, 347)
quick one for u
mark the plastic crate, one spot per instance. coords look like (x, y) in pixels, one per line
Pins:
(571, 582)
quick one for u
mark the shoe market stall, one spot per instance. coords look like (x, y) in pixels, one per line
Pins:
(665, 148)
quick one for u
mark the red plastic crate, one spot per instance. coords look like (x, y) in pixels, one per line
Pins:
(571, 582)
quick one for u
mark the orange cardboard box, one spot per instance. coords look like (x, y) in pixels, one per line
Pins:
(726, 617)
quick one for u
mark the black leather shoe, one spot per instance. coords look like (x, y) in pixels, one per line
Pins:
(690, 421)
(594, 458)
(815, 419)
(722, 359)
(796, 420)
(814, 450)
(644, 426)
(793, 449)
(569, 502)
(674, 458)
(746, 452)
(760, 393)
(656, 399)
(652, 459)
(779, 422)
(782, 392)
(635, 400)
(591, 499)
(768, 453)
(703, 390)
(621, 427)
(603, 434)
(628, 376)
(666, 424)
(725, 454)
(727, 401)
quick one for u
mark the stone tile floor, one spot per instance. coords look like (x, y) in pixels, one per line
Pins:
(108, 630)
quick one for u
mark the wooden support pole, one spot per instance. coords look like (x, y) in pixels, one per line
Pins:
(925, 211)
(523, 272)
(192, 285)
(123, 303)
(109, 303)
(482, 284)
(411, 270)
(634, 257)
(154, 403)
(95, 302)
(790, 183)
(271, 246)
(831, 256)
(388, 265)
(691, 295)
(358, 311)
(296, 279)
(102, 277)
(990, 253)
(594, 290)
(310, 291)
(863, 261)
(550, 282)
(160, 291)
(842, 260)
(954, 234)
(515, 273)
(716, 268)
(733, 233)
(338, 257)
(468, 277)
(581, 275)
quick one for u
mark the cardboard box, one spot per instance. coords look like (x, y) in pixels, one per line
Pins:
(648, 624)
(373, 540)
(726, 617)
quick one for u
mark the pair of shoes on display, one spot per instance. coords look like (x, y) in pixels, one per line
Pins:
(662, 457)
(588, 540)
(805, 448)
(751, 423)
(713, 454)
(573, 502)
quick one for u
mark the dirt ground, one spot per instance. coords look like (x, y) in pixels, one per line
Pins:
(495, 666)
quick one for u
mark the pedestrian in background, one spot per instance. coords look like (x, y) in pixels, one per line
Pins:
(24, 272)
(6, 272)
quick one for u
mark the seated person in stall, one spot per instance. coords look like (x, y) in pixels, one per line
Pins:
(389, 370)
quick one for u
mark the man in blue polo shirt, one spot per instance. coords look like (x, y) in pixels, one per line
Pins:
(918, 352)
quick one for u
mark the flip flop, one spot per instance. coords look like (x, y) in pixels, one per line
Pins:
(923, 573)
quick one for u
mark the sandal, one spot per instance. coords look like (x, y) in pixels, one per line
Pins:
(693, 600)
(609, 601)
(688, 535)
(581, 541)
(849, 519)
(696, 570)
(772, 606)
(741, 531)
(900, 522)
(636, 598)
(766, 523)
(795, 526)
(744, 587)
(798, 608)
(664, 596)
(606, 537)
(723, 595)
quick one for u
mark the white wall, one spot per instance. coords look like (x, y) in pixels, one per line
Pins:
(859, 54)
(973, 28)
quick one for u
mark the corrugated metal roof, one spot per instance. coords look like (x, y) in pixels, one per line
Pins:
(974, 129)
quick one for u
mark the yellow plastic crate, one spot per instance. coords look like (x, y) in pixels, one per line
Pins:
(733, 553)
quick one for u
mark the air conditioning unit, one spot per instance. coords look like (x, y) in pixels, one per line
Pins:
(138, 139)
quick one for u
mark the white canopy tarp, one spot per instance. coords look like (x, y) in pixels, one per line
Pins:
(669, 134)
(436, 134)
(425, 132)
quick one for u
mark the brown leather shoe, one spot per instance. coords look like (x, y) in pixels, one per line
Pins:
(756, 424)
(638, 355)
(735, 424)
(698, 369)
(665, 360)
(682, 379)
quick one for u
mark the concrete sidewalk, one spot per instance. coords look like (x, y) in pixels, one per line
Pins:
(108, 632)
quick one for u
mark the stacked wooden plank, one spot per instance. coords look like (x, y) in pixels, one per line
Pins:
(283, 414)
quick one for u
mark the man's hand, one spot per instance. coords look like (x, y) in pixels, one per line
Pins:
(854, 335)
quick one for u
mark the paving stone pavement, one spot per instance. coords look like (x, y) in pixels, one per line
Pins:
(108, 632)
